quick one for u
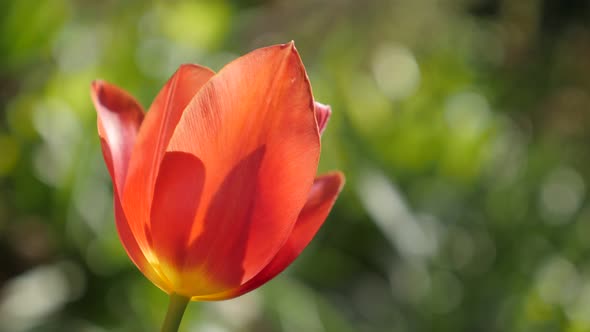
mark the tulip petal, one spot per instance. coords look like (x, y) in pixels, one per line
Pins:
(152, 140)
(260, 104)
(323, 194)
(234, 201)
(119, 119)
(322, 115)
(162, 118)
(133, 250)
(176, 199)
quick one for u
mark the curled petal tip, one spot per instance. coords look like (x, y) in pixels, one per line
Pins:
(322, 114)
(289, 45)
(96, 85)
(340, 176)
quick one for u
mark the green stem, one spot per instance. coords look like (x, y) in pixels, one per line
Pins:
(176, 309)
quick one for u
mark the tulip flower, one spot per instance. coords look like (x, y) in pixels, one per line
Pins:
(215, 188)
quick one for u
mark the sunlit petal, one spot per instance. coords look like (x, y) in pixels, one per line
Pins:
(323, 194)
(253, 127)
(151, 143)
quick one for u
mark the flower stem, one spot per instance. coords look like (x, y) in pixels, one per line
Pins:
(176, 309)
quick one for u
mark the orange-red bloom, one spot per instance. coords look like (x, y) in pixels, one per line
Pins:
(215, 189)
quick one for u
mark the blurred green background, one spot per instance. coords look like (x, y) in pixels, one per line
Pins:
(462, 127)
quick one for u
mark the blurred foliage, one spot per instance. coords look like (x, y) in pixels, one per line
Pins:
(462, 127)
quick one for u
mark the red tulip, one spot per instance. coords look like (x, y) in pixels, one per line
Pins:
(215, 189)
